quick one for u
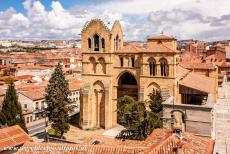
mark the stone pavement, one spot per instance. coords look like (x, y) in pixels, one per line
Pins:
(113, 132)
(222, 121)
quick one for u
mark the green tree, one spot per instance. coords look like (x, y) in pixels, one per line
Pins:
(155, 104)
(11, 113)
(135, 118)
(58, 103)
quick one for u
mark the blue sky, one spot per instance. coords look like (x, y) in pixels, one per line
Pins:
(64, 19)
(17, 4)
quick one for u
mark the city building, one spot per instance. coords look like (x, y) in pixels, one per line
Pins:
(32, 99)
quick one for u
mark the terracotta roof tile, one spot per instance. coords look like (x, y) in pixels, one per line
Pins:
(161, 37)
(165, 141)
(160, 48)
(34, 93)
(13, 136)
(131, 48)
(195, 65)
(198, 82)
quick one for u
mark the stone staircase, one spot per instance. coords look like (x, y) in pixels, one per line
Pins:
(165, 93)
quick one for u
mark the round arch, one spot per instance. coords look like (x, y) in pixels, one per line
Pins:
(98, 108)
(178, 118)
(153, 86)
(164, 66)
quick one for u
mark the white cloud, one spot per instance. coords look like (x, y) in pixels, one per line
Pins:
(200, 19)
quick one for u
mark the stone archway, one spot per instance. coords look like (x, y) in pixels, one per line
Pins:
(152, 87)
(99, 106)
(178, 119)
(127, 85)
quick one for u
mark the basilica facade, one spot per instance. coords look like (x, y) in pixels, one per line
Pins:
(112, 70)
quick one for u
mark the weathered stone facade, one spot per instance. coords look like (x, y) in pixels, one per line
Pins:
(111, 70)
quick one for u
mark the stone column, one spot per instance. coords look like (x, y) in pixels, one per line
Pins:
(98, 111)
(84, 121)
(108, 111)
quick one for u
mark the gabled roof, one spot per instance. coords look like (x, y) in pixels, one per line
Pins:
(108, 25)
(13, 136)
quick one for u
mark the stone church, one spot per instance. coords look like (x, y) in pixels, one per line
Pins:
(112, 69)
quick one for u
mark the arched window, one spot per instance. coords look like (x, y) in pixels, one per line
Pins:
(102, 65)
(164, 67)
(92, 64)
(152, 67)
(96, 42)
(89, 43)
(116, 42)
(103, 43)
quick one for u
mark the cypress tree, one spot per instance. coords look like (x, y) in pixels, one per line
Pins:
(11, 113)
(58, 103)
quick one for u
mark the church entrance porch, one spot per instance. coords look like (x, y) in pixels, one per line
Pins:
(127, 85)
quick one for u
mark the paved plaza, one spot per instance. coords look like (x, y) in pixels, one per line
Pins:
(222, 121)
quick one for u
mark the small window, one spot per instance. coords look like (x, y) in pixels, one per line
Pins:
(27, 119)
(89, 43)
(122, 63)
(25, 106)
(103, 43)
(74, 99)
(31, 118)
(133, 61)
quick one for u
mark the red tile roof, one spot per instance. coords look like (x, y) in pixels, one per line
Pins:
(198, 82)
(13, 136)
(195, 65)
(34, 93)
(159, 142)
(130, 48)
(158, 48)
(161, 37)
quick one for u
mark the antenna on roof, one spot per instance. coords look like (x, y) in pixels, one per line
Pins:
(162, 32)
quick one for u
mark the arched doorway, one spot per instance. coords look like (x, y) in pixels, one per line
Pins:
(127, 85)
(99, 106)
(178, 119)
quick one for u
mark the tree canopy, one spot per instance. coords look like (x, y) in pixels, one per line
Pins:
(11, 113)
(58, 103)
(137, 120)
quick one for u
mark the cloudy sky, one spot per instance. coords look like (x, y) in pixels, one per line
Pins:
(64, 19)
